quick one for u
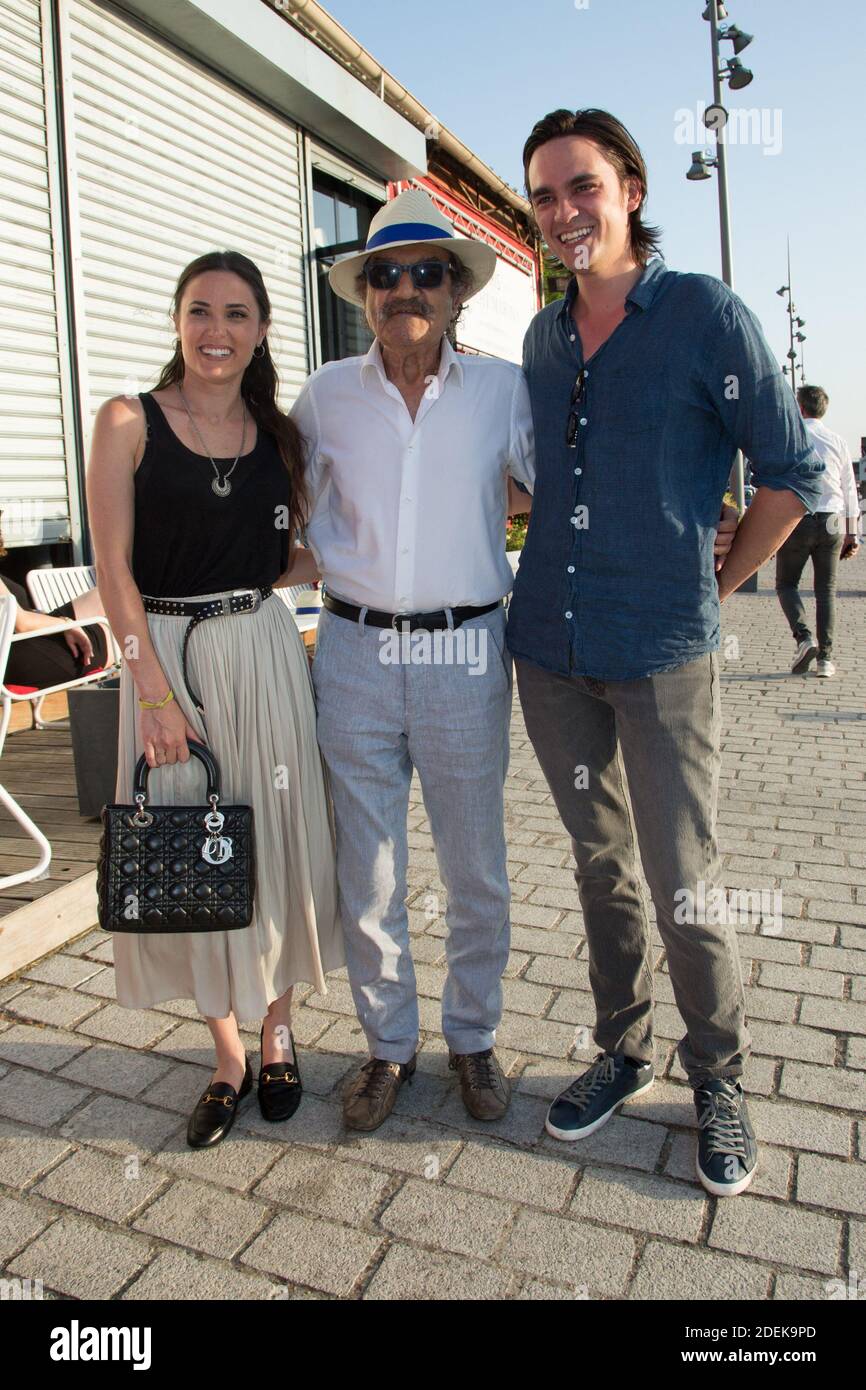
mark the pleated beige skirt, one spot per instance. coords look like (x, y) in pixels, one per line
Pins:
(252, 676)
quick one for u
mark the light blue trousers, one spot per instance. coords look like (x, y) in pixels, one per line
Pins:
(440, 703)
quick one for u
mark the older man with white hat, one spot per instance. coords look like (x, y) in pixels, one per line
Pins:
(410, 449)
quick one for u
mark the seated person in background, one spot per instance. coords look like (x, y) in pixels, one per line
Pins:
(46, 661)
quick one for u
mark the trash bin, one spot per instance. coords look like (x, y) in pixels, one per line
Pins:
(94, 713)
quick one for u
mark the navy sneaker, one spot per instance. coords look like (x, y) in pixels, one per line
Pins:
(727, 1156)
(592, 1098)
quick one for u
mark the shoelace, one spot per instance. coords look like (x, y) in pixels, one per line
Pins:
(480, 1071)
(721, 1119)
(378, 1075)
(581, 1091)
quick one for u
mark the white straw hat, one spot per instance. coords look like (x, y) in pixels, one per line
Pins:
(412, 219)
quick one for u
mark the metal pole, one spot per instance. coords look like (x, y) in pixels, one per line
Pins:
(724, 212)
(737, 478)
(792, 355)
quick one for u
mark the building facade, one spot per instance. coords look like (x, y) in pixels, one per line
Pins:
(136, 136)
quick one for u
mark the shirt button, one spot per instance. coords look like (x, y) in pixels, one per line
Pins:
(571, 569)
(584, 421)
(568, 614)
(571, 337)
(578, 471)
(405, 550)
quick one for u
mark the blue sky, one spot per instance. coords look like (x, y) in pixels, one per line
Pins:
(489, 68)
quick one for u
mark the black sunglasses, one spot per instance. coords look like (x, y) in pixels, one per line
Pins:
(576, 402)
(386, 275)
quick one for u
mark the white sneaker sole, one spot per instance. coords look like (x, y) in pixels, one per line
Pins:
(568, 1135)
(724, 1189)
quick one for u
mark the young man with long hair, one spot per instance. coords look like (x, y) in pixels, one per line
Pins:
(643, 383)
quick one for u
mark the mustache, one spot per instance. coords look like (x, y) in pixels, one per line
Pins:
(407, 306)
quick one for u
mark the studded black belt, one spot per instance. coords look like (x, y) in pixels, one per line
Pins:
(430, 621)
(224, 606)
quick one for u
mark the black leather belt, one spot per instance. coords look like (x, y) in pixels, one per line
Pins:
(430, 621)
(241, 601)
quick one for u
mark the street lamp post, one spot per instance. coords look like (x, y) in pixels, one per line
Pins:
(721, 160)
(798, 337)
(715, 119)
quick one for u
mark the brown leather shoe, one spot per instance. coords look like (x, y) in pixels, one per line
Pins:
(484, 1086)
(370, 1098)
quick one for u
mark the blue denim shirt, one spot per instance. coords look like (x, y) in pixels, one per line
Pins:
(616, 578)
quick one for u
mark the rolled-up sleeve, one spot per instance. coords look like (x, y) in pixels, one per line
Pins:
(521, 461)
(849, 490)
(757, 406)
(306, 416)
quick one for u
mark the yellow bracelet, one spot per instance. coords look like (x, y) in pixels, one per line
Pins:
(156, 704)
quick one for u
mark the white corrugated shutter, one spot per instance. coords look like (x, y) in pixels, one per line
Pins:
(170, 161)
(34, 494)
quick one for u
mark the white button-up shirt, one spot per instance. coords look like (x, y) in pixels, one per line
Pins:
(409, 515)
(838, 488)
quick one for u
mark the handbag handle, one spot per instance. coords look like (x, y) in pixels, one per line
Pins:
(200, 751)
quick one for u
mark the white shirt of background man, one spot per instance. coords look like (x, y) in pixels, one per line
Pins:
(838, 489)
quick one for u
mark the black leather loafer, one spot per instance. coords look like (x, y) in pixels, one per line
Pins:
(215, 1111)
(280, 1088)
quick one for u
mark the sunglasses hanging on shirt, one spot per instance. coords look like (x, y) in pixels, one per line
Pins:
(575, 404)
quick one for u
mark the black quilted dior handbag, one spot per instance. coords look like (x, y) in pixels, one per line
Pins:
(176, 868)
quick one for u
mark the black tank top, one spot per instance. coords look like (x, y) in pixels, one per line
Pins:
(189, 541)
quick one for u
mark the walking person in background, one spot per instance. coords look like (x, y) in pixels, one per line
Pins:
(195, 492)
(829, 535)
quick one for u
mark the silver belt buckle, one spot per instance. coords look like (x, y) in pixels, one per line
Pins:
(396, 616)
(254, 594)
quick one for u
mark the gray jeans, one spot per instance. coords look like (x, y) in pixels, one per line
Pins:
(445, 714)
(636, 763)
(817, 537)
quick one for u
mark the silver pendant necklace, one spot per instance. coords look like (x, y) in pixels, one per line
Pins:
(220, 485)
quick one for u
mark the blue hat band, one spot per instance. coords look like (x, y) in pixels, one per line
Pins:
(407, 231)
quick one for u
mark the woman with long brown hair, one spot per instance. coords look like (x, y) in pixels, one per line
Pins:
(196, 491)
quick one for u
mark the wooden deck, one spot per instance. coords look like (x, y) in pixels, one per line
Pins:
(37, 770)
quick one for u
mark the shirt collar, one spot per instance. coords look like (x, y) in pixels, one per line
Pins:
(449, 362)
(642, 293)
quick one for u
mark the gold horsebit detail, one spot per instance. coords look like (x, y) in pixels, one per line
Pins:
(286, 1076)
(218, 1100)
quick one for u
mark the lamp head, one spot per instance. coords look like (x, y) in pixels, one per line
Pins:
(738, 37)
(737, 75)
(699, 168)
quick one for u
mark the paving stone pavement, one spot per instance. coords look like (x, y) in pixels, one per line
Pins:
(101, 1198)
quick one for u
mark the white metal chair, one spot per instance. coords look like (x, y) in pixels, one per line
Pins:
(35, 695)
(306, 620)
(8, 697)
(8, 609)
(50, 588)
